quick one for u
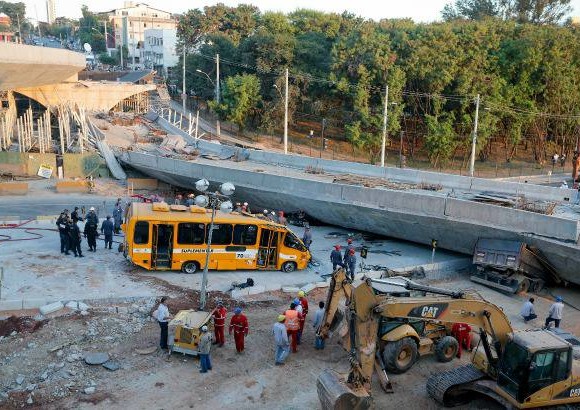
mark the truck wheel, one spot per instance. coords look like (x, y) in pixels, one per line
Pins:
(524, 286)
(400, 356)
(446, 349)
(190, 267)
(288, 267)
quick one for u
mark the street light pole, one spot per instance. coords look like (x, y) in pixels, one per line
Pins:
(217, 91)
(474, 138)
(286, 116)
(203, 295)
(385, 118)
(184, 95)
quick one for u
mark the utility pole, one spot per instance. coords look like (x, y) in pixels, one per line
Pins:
(401, 151)
(322, 137)
(196, 123)
(474, 138)
(184, 95)
(286, 116)
(385, 118)
(106, 43)
(19, 32)
(217, 91)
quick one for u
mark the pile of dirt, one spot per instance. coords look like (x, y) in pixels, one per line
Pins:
(25, 324)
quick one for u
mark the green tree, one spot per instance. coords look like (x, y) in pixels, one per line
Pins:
(240, 99)
(440, 141)
(15, 11)
(91, 30)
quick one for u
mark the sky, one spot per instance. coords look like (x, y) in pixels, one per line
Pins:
(418, 10)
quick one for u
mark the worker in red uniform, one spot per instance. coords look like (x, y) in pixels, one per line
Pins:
(462, 332)
(239, 325)
(219, 323)
(292, 323)
(304, 303)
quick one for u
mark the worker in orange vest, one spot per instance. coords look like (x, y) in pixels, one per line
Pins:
(462, 332)
(219, 323)
(292, 325)
(239, 325)
(304, 303)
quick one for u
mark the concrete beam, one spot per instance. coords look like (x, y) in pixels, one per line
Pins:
(27, 66)
(13, 188)
(88, 94)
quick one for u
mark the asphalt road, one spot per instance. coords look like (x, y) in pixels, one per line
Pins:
(30, 207)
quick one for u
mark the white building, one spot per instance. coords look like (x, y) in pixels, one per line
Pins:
(50, 11)
(158, 52)
(129, 25)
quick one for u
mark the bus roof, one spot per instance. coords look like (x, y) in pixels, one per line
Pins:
(161, 211)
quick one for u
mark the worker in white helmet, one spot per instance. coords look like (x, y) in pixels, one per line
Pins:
(204, 350)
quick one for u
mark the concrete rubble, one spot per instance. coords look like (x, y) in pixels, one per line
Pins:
(51, 308)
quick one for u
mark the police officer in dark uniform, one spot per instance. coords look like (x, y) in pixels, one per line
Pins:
(107, 228)
(75, 215)
(91, 234)
(62, 224)
(75, 238)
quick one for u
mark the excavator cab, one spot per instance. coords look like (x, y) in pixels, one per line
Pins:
(535, 367)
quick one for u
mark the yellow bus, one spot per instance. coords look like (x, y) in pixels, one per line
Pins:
(159, 236)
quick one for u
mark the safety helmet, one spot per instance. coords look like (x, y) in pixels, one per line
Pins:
(337, 247)
(265, 211)
(204, 328)
(349, 240)
(92, 208)
(559, 299)
(301, 293)
(238, 310)
(352, 252)
(281, 318)
(273, 213)
(245, 204)
(296, 301)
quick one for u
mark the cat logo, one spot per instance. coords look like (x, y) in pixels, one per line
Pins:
(429, 312)
(575, 392)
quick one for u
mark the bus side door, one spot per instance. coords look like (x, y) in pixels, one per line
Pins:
(268, 250)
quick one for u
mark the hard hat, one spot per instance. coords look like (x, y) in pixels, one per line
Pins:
(352, 252)
(265, 211)
(92, 208)
(273, 213)
(281, 318)
(301, 293)
(349, 240)
(296, 301)
(190, 196)
(337, 247)
(559, 299)
(245, 204)
(204, 328)
(238, 310)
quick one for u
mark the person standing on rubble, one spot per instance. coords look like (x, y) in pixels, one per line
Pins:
(205, 350)
(336, 257)
(162, 315)
(292, 326)
(350, 262)
(281, 340)
(219, 322)
(317, 324)
(307, 237)
(239, 325)
(349, 247)
(282, 219)
(555, 313)
(117, 218)
(107, 229)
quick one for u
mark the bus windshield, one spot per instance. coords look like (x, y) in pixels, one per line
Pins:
(291, 241)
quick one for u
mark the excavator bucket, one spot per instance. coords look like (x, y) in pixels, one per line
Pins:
(334, 394)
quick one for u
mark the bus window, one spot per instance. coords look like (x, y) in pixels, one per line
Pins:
(291, 241)
(190, 233)
(245, 234)
(222, 234)
(141, 233)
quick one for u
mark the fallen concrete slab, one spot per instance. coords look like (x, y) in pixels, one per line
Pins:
(50, 308)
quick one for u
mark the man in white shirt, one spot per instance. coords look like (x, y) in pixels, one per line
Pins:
(318, 315)
(163, 318)
(527, 311)
(555, 313)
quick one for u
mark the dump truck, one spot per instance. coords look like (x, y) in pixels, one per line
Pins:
(518, 369)
(512, 266)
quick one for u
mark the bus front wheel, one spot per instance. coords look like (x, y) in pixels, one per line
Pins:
(190, 267)
(288, 267)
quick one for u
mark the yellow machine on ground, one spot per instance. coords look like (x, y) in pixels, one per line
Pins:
(159, 236)
(518, 369)
(400, 341)
(187, 331)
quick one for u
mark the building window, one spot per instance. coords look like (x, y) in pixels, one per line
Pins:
(124, 13)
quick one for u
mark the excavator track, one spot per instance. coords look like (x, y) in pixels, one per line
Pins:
(440, 385)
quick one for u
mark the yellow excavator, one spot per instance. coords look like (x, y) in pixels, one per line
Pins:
(518, 369)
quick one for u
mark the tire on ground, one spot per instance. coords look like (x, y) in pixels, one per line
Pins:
(400, 356)
(446, 349)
